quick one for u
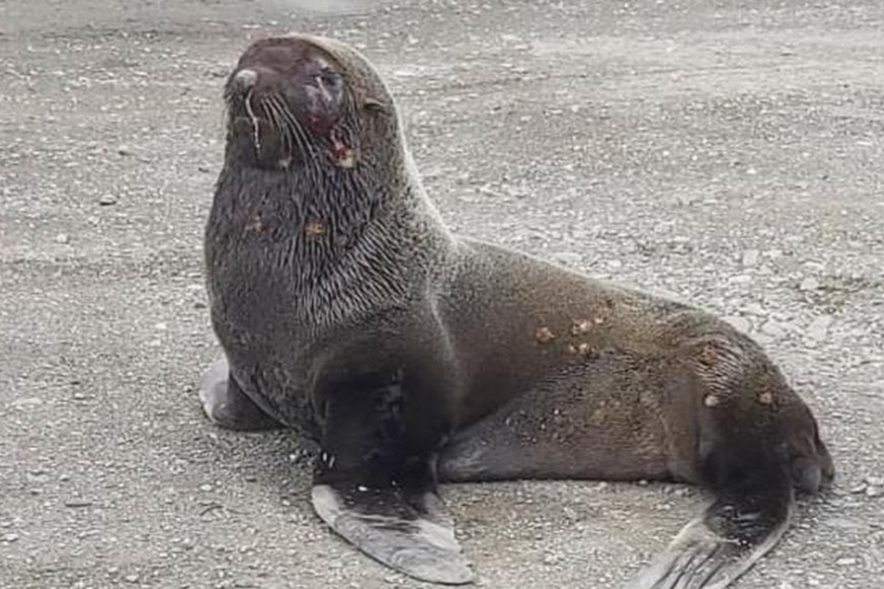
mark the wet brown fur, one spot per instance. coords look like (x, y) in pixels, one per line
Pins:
(513, 367)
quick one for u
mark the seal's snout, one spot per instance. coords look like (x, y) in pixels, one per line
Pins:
(245, 79)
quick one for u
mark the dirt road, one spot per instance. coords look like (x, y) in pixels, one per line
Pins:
(728, 153)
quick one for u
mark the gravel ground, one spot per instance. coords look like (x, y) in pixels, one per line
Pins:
(724, 152)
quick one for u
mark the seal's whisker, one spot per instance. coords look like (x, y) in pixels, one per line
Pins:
(278, 107)
(310, 155)
(280, 126)
(255, 126)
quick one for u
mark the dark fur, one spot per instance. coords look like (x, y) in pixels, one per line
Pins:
(347, 310)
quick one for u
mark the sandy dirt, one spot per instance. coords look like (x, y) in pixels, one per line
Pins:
(726, 153)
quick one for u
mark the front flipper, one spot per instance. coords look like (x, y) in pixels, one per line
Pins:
(384, 525)
(375, 486)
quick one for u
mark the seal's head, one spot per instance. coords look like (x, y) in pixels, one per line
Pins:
(301, 103)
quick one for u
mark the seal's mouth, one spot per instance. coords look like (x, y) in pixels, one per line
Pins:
(289, 100)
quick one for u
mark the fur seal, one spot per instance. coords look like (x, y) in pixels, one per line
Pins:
(348, 311)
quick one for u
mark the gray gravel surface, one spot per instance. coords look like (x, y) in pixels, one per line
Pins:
(724, 152)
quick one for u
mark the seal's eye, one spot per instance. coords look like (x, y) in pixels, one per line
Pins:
(329, 78)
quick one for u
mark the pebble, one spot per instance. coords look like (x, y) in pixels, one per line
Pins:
(132, 578)
(107, 200)
(124, 151)
(77, 503)
(62, 238)
(809, 283)
(874, 492)
(875, 481)
(750, 258)
(10, 538)
(207, 487)
(846, 561)
(819, 327)
(572, 259)
(754, 309)
(550, 559)
(740, 279)
(773, 329)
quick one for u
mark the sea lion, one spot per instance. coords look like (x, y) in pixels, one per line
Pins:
(348, 311)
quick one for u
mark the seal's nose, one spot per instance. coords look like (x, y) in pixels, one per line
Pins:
(245, 79)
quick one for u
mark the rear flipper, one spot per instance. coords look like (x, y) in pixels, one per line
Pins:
(707, 554)
(750, 514)
(375, 490)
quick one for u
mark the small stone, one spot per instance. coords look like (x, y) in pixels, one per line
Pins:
(738, 323)
(131, 578)
(571, 259)
(750, 258)
(773, 329)
(874, 492)
(107, 200)
(846, 561)
(77, 503)
(808, 284)
(62, 238)
(614, 264)
(125, 151)
(740, 279)
(206, 488)
(875, 481)
(711, 401)
(10, 538)
(819, 327)
(550, 559)
(755, 309)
